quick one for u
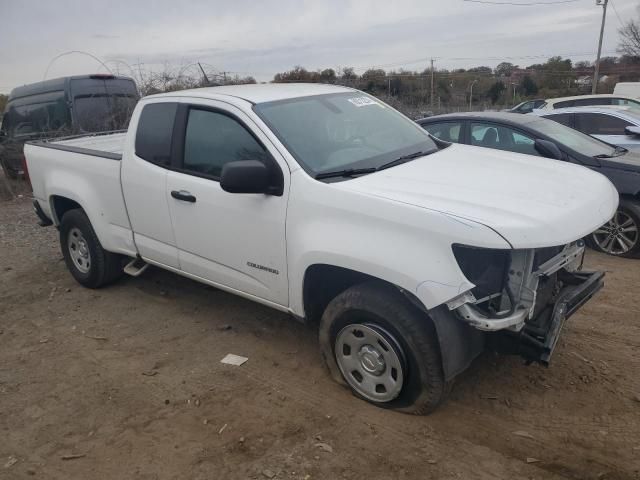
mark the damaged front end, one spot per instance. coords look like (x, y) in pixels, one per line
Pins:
(523, 296)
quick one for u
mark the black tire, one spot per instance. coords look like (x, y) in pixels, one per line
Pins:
(384, 309)
(629, 209)
(104, 268)
(12, 174)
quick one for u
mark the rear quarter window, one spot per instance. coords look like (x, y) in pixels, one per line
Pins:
(155, 131)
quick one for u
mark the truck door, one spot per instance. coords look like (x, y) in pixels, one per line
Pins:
(144, 183)
(233, 240)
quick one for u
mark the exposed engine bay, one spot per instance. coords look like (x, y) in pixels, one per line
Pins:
(524, 294)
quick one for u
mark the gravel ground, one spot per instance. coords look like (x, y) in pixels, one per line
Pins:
(126, 382)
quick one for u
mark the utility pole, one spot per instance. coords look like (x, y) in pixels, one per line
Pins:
(206, 79)
(389, 80)
(432, 83)
(596, 73)
(471, 94)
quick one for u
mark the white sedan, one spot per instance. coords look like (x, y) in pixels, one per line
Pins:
(618, 126)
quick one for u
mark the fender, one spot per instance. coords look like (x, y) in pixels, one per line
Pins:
(404, 246)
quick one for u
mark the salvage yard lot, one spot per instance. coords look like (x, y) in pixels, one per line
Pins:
(126, 382)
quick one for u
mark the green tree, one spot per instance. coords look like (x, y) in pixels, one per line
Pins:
(557, 73)
(495, 91)
(328, 75)
(505, 69)
(529, 87)
(3, 102)
(374, 79)
(298, 74)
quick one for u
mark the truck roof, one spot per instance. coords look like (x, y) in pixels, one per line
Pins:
(260, 93)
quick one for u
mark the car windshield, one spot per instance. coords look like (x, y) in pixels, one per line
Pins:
(575, 140)
(349, 130)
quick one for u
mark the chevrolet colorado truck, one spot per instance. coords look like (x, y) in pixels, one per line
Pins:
(411, 254)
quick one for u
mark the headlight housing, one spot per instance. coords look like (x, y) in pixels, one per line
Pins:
(486, 268)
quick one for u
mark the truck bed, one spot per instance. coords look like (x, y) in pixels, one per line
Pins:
(86, 170)
(107, 144)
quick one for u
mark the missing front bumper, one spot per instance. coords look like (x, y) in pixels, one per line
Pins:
(584, 286)
(537, 341)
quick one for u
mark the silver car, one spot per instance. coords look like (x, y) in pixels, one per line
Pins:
(618, 126)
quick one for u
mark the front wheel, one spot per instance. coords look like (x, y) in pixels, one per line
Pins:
(621, 235)
(88, 262)
(385, 350)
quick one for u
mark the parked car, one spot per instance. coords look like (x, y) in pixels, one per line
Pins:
(537, 136)
(628, 89)
(590, 100)
(527, 106)
(615, 125)
(63, 106)
(326, 203)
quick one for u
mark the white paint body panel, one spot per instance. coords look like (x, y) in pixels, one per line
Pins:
(397, 225)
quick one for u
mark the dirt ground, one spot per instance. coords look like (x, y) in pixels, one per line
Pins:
(126, 383)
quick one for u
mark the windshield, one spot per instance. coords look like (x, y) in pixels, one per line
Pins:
(575, 140)
(349, 130)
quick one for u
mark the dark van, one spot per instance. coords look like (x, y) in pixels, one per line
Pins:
(60, 107)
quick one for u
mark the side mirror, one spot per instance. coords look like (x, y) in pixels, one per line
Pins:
(632, 130)
(548, 149)
(245, 176)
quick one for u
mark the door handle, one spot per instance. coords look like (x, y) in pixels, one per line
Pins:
(183, 195)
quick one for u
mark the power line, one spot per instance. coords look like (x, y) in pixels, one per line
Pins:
(615, 10)
(530, 4)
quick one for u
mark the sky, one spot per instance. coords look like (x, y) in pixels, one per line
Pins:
(261, 38)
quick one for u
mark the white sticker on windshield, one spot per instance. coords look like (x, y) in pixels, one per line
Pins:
(363, 101)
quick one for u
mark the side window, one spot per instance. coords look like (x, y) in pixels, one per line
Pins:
(625, 102)
(447, 131)
(585, 102)
(155, 130)
(563, 118)
(600, 124)
(566, 103)
(527, 107)
(502, 138)
(213, 139)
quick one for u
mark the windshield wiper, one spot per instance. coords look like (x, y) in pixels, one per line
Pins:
(616, 153)
(352, 172)
(620, 151)
(403, 159)
(348, 172)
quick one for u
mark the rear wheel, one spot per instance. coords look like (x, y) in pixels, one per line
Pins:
(621, 235)
(385, 350)
(88, 262)
(8, 171)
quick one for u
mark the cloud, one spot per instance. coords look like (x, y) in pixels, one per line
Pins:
(262, 38)
(104, 37)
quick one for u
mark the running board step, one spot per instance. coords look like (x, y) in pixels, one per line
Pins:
(136, 267)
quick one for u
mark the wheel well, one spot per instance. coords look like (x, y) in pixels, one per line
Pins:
(322, 283)
(62, 205)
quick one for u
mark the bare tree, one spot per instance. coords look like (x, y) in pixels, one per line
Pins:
(630, 39)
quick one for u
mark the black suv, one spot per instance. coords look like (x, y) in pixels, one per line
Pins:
(63, 106)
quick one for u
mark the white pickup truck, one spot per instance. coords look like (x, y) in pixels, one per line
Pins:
(411, 254)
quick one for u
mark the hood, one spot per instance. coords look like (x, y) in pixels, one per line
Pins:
(531, 201)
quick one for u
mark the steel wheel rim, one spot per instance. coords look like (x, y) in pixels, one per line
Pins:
(79, 250)
(618, 236)
(371, 361)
